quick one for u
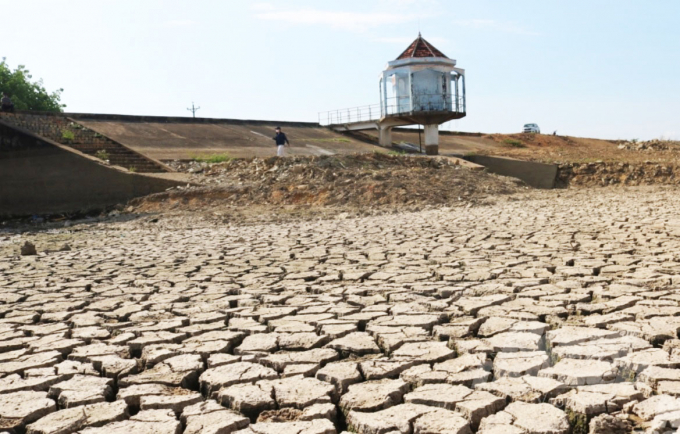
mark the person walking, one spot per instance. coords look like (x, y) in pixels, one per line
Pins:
(281, 141)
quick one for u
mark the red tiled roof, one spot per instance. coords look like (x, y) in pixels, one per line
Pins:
(421, 48)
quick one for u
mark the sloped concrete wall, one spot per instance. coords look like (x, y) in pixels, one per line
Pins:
(39, 177)
(537, 175)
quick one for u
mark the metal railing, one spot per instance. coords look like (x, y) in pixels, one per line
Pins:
(422, 103)
(363, 113)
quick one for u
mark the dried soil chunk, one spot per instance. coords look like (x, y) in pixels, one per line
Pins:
(21, 408)
(378, 369)
(213, 379)
(178, 371)
(574, 372)
(424, 352)
(302, 392)
(598, 399)
(441, 421)
(358, 344)
(520, 364)
(512, 342)
(526, 389)
(520, 417)
(397, 419)
(373, 395)
(211, 418)
(176, 401)
(132, 394)
(474, 405)
(340, 374)
(75, 418)
(81, 390)
(578, 335)
(318, 426)
(144, 422)
(318, 356)
(249, 399)
(656, 405)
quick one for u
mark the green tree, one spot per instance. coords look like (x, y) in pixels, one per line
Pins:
(25, 94)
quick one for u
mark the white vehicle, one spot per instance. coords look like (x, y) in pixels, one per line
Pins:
(532, 128)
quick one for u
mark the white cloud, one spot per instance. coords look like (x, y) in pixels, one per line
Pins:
(506, 27)
(350, 21)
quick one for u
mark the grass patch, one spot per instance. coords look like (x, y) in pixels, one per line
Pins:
(212, 159)
(102, 155)
(399, 153)
(514, 143)
(132, 169)
(578, 422)
(68, 135)
(332, 140)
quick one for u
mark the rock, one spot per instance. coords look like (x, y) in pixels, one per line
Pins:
(607, 424)
(28, 249)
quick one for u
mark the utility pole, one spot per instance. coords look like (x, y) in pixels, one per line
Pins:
(193, 109)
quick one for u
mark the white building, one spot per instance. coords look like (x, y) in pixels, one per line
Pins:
(421, 87)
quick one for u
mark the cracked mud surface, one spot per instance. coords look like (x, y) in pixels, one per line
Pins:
(549, 312)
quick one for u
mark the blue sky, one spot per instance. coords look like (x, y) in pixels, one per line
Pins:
(594, 68)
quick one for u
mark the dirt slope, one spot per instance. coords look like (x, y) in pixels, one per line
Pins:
(363, 181)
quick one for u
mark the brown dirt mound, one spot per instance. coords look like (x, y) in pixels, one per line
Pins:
(363, 180)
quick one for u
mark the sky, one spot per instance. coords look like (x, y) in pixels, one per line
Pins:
(590, 68)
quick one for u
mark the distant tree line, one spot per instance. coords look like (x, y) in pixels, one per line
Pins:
(27, 94)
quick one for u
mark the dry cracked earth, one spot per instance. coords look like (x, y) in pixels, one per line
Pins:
(549, 313)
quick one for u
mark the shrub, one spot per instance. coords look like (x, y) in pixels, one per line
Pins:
(68, 135)
(212, 159)
(102, 155)
(514, 143)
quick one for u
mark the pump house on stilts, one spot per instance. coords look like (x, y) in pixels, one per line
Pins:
(421, 87)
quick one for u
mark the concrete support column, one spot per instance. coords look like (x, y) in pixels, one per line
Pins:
(432, 139)
(385, 136)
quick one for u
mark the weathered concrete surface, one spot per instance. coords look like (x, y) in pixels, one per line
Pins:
(184, 138)
(537, 175)
(41, 177)
(519, 316)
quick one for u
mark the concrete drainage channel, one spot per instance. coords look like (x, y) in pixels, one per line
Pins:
(537, 175)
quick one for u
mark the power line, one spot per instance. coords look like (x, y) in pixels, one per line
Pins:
(193, 109)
